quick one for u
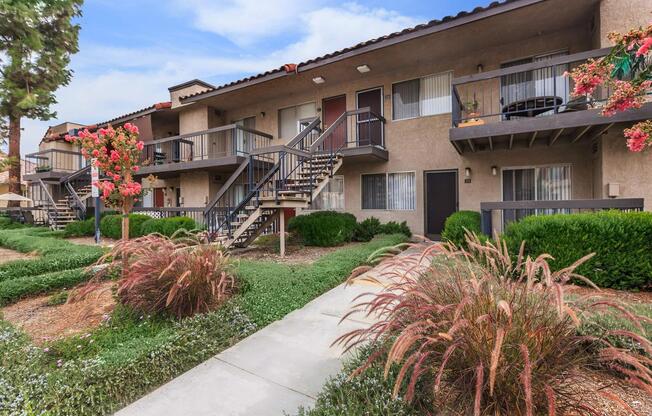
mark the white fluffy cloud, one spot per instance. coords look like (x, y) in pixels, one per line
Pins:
(133, 78)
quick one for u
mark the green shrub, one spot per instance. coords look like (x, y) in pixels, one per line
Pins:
(393, 227)
(456, 223)
(7, 223)
(111, 225)
(367, 229)
(622, 242)
(81, 228)
(323, 228)
(167, 226)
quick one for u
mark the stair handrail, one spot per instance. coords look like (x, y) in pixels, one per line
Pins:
(50, 200)
(80, 206)
(294, 146)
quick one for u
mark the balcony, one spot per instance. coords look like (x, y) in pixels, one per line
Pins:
(53, 164)
(530, 105)
(220, 148)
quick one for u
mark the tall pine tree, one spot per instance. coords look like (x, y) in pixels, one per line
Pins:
(37, 38)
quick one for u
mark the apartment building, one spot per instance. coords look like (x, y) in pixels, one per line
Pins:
(459, 113)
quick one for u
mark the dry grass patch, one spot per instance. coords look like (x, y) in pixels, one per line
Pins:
(7, 255)
(44, 323)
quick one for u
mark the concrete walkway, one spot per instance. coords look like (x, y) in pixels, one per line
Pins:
(276, 370)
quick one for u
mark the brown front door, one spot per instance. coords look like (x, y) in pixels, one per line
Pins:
(332, 109)
(441, 200)
(370, 128)
(158, 198)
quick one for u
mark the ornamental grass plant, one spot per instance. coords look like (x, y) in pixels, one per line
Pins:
(477, 331)
(178, 276)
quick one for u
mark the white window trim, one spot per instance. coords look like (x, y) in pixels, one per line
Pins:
(387, 193)
(450, 71)
(547, 165)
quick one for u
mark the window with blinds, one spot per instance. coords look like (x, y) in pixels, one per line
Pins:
(331, 197)
(391, 191)
(545, 183)
(289, 119)
(419, 97)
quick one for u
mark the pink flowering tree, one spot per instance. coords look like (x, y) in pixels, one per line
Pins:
(628, 73)
(116, 153)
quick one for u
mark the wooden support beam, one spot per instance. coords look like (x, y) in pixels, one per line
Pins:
(282, 231)
(457, 147)
(555, 136)
(511, 141)
(533, 138)
(582, 133)
(602, 131)
(471, 145)
(491, 143)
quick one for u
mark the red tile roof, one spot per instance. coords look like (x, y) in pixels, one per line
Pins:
(418, 28)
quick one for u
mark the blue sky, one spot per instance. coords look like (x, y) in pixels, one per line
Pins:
(132, 50)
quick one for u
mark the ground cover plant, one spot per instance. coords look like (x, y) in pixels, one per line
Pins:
(133, 352)
(477, 332)
(59, 263)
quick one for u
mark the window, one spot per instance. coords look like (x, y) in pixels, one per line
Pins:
(422, 96)
(391, 191)
(332, 196)
(545, 183)
(289, 119)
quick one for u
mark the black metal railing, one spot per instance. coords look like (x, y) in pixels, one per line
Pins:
(259, 176)
(355, 128)
(196, 213)
(534, 89)
(518, 209)
(78, 189)
(54, 160)
(223, 141)
(43, 200)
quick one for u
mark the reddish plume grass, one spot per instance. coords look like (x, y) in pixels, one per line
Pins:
(483, 333)
(179, 276)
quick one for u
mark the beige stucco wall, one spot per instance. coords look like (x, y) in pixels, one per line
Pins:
(620, 16)
(632, 171)
(422, 144)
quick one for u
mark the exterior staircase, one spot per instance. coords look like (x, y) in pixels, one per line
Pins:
(273, 179)
(72, 206)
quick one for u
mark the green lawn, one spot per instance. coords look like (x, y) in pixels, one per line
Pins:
(130, 355)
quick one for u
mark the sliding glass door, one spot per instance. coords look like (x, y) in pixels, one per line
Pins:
(544, 183)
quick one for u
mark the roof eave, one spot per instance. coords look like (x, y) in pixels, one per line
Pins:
(445, 25)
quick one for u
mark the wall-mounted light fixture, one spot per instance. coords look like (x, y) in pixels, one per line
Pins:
(467, 172)
(480, 68)
(494, 170)
(363, 69)
(262, 114)
(318, 80)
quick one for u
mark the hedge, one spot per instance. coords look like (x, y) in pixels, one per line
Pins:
(80, 228)
(324, 228)
(111, 225)
(622, 242)
(168, 226)
(370, 227)
(455, 225)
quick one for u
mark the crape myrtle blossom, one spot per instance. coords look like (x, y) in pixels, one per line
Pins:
(627, 72)
(116, 152)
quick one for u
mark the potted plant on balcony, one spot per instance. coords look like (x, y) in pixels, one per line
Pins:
(44, 168)
(470, 108)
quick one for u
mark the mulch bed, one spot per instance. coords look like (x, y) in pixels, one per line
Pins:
(293, 254)
(7, 255)
(44, 323)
